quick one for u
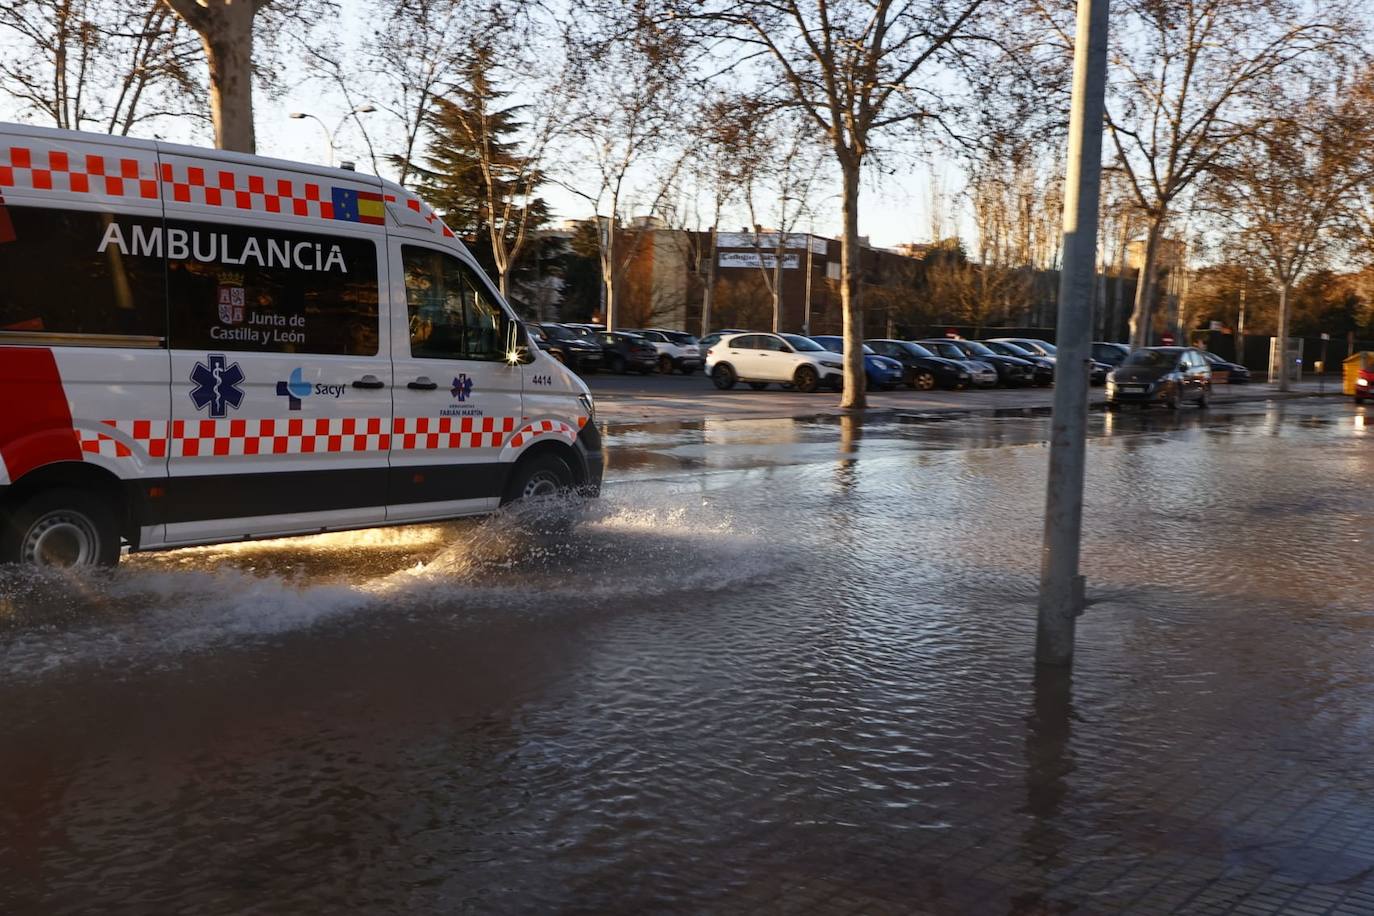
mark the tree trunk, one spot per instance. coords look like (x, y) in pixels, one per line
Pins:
(608, 271)
(503, 284)
(1284, 384)
(225, 28)
(851, 292)
(1142, 318)
(708, 293)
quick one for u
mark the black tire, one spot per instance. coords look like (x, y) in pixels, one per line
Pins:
(806, 379)
(758, 386)
(723, 376)
(540, 476)
(665, 364)
(617, 364)
(62, 528)
(923, 380)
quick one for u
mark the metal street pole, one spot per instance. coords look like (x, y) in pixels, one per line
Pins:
(806, 312)
(1061, 586)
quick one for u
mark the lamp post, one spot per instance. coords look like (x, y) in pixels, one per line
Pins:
(329, 134)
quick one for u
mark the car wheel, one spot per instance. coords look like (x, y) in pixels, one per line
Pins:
(806, 379)
(724, 377)
(665, 364)
(539, 477)
(617, 365)
(62, 529)
(758, 386)
(923, 380)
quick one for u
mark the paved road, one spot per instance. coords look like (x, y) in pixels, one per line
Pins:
(634, 398)
(782, 666)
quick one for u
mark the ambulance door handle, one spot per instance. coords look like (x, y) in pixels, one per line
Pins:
(422, 384)
(369, 381)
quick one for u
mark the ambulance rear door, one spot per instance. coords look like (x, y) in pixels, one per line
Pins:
(281, 374)
(83, 359)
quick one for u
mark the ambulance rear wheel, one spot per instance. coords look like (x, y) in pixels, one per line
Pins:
(62, 529)
(537, 477)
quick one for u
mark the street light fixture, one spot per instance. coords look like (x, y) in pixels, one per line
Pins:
(329, 134)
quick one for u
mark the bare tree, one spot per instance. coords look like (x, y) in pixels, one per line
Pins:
(856, 69)
(783, 172)
(98, 64)
(720, 160)
(1288, 184)
(1185, 75)
(625, 114)
(227, 29)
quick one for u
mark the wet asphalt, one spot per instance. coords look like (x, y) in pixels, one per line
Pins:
(782, 665)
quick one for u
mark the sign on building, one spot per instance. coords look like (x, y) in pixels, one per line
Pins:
(754, 259)
(769, 240)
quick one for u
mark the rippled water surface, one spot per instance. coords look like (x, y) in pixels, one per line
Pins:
(781, 665)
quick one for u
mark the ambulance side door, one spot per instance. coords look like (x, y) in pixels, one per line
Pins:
(458, 398)
(281, 377)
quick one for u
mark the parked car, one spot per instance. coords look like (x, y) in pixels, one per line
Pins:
(1110, 353)
(577, 353)
(982, 374)
(1044, 366)
(1032, 344)
(672, 355)
(1011, 370)
(623, 353)
(882, 371)
(709, 340)
(759, 359)
(1224, 372)
(923, 369)
(1160, 375)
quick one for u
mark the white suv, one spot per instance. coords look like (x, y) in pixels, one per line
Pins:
(674, 354)
(762, 358)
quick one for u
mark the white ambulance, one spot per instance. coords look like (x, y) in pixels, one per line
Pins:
(199, 346)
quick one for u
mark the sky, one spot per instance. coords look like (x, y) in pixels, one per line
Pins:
(895, 205)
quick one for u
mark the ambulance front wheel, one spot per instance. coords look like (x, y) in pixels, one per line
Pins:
(538, 476)
(62, 529)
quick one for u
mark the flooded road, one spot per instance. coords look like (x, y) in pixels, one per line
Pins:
(783, 665)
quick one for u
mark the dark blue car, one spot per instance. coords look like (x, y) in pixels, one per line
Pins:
(882, 371)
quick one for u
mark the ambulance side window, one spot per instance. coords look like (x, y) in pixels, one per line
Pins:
(451, 313)
(61, 273)
(269, 290)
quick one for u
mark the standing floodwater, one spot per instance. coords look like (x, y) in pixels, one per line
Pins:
(781, 665)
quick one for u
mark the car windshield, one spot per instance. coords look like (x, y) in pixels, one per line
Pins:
(869, 350)
(1008, 349)
(556, 332)
(1212, 358)
(916, 349)
(803, 344)
(1151, 359)
(1047, 347)
(684, 340)
(976, 347)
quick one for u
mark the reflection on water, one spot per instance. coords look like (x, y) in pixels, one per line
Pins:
(778, 667)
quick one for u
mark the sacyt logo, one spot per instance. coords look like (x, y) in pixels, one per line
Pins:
(217, 385)
(462, 387)
(294, 389)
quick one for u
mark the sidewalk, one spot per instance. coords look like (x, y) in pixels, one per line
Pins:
(693, 398)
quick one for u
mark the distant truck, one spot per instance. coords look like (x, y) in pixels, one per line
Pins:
(200, 346)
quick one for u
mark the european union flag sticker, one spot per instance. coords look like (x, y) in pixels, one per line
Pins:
(357, 206)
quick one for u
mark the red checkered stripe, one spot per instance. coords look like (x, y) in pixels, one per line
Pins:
(58, 170)
(451, 432)
(295, 436)
(149, 438)
(193, 184)
(532, 431)
(415, 205)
